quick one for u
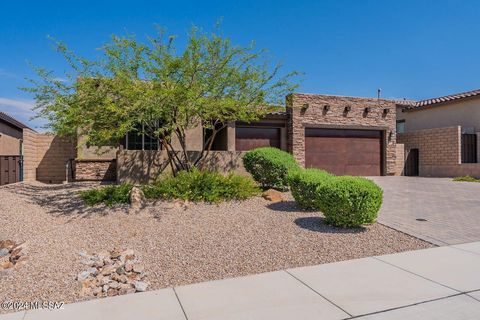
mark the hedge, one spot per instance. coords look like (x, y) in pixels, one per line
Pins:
(304, 185)
(349, 201)
(270, 167)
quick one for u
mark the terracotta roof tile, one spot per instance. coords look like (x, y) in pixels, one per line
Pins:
(413, 105)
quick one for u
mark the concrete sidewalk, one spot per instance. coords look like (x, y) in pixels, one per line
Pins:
(438, 283)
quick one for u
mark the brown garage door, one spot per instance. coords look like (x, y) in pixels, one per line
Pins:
(247, 138)
(344, 152)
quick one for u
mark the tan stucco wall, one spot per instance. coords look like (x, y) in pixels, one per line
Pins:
(136, 166)
(9, 140)
(9, 146)
(465, 113)
(45, 157)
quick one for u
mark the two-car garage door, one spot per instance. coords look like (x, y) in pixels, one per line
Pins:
(344, 152)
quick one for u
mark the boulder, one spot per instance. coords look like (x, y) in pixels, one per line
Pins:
(141, 286)
(273, 195)
(137, 198)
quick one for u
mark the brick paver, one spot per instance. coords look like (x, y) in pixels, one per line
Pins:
(452, 209)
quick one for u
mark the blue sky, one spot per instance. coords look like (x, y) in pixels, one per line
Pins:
(412, 49)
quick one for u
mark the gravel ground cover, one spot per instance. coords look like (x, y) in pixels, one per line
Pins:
(178, 245)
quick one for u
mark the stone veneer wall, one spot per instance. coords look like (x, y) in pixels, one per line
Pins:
(45, 157)
(315, 117)
(440, 152)
(400, 159)
(95, 170)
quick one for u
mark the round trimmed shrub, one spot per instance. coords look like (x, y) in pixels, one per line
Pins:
(270, 167)
(304, 184)
(349, 201)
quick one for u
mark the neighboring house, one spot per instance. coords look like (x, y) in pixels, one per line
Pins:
(441, 135)
(344, 135)
(28, 155)
(11, 137)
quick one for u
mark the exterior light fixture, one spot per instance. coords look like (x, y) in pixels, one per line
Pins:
(367, 110)
(305, 106)
(347, 109)
(326, 107)
(386, 111)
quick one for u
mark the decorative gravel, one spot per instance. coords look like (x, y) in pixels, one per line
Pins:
(178, 245)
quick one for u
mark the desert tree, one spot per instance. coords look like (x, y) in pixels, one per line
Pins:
(165, 91)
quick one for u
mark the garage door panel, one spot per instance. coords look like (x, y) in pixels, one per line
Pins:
(344, 152)
(321, 159)
(321, 144)
(362, 170)
(248, 138)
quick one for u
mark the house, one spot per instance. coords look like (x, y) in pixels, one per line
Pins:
(343, 135)
(440, 135)
(11, 137)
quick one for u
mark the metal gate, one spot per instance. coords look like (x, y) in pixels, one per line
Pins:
(10, 169)
(469, 148)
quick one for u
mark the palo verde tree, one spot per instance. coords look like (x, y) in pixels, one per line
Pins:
(150, 85)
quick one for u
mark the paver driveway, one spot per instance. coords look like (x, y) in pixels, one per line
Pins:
(452, 209)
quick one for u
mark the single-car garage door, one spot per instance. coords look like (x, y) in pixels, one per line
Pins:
(247, 138)
(344, 152)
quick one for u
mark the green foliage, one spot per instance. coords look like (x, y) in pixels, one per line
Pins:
(152, 85)
(349, 201)
(466, 179)
(196, 185)
(304, 185)
(270, 166)
(109, 195)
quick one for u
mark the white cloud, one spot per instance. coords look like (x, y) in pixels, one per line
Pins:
(22, 104)
(4, 73)
(21, 109)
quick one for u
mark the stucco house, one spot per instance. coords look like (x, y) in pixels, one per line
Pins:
(11, 138)
(440, 135)
(344, 135)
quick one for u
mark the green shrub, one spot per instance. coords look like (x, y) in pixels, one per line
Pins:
(304, 185)
(349, 201)
(270, 167)
(108, 195)
(466, 179)
(205, 186)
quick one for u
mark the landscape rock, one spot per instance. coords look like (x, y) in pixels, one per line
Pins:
(137, 198)
(118, 273)
(4, 252)
(138, 268)
(12, 254)
(6, 265)
(7, 244)
(273, 195)
(83, 275)
(141, 286)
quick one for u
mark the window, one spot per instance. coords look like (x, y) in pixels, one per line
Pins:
(139, 140)
(400, 126)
